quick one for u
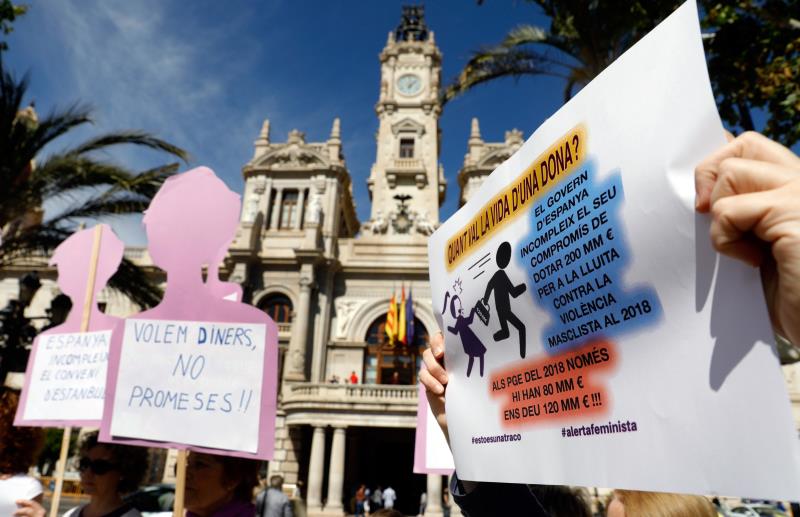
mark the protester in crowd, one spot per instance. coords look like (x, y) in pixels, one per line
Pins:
(58, 311)
(361, 496)
(389, 497)
(751, 187)
(220, 486)
(376, 501)
(632, 503)
(19, 448)
(272, 502)
(563, 501)
(108, 471)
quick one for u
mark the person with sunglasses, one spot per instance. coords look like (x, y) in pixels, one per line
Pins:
(107, 472)
(220, 486)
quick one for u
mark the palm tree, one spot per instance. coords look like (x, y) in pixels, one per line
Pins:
(584, 37)
(73, 175)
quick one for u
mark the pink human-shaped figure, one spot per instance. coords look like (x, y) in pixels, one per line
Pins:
(191, 218)
(73, 260)
(225, 290)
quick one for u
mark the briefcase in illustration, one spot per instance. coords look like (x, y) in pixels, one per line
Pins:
(483, 311)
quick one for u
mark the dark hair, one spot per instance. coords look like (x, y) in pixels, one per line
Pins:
(453, 305)
(242, 470)
(562, 501)
(19, 446)
(276, 481)
(131, 461)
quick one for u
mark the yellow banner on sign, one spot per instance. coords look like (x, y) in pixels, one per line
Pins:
(546, 171)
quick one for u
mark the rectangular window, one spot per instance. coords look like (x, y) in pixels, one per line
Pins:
(407, 148)
(288, 210)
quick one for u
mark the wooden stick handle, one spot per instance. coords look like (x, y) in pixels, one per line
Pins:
(180, 484)
(60, 466)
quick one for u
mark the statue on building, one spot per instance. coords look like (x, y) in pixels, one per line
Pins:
(314, 210)
(423, 224)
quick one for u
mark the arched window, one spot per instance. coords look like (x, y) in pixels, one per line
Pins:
(278, 307)
(393, 363)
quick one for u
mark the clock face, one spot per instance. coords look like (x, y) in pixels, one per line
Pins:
(409, 84)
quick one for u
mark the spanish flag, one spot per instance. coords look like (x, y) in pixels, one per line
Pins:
(401, 329)
(391, 321)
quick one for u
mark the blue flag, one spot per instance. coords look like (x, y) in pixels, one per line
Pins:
(409, 319)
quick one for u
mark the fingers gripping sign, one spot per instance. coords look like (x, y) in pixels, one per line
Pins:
(751, 187)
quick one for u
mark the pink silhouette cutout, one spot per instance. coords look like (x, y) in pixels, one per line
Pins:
(191, 218)
(72, 258)
(225, 290)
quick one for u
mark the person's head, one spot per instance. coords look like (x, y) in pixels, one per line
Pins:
(503, 255)
(214, 481)
(28, 286)
(276, 482)
(108, 468)
(72, 258)
(455, 306)
(59, 309)
(387, 512)
(633, 503)
(19, 446)
(563, 501)
(182, 229)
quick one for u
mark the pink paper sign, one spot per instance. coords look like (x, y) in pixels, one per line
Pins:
(66, 374)
(196, 372)
(431, 452)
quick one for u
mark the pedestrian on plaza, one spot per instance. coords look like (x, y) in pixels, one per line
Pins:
(353, 378)
(272, 502)
(361, 496)
(423, 502)
(376, 499)
(19, 448)
(108, 471)
(220, 486)
(446, 503)
(389, 497)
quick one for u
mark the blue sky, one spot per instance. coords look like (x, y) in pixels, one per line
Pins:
(205, 74)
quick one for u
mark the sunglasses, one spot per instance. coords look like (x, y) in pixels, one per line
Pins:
(99, 467)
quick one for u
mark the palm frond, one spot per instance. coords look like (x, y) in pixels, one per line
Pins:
(139, 138)
(133, 282)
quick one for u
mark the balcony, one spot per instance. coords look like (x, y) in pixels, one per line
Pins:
(406, 170)
(350, 404)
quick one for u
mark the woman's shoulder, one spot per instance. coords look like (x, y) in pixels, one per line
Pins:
(74, 512)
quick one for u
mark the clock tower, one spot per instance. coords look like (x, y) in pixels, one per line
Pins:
(406, 183)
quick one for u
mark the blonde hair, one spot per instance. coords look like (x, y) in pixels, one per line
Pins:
(660, 504)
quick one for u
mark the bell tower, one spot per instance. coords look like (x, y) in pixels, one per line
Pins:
(406, 183)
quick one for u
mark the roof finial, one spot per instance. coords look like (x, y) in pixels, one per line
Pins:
(264, 135)
(475, 131)
(336, 130)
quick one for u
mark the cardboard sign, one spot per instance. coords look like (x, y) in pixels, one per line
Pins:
(612, 346)
(66, 375)
(431, 453)
(198, 371)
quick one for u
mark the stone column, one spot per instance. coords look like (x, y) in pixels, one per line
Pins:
(276, 209)
(434, 506)
(336, 473)
(315, 470)
(301, 201)
(295, 367)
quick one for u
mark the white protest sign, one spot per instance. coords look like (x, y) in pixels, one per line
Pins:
(593, 336)
(201, 384)
(68, 380)
(431, 453)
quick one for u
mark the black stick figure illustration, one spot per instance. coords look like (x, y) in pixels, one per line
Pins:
(472, 344)
(504, 290)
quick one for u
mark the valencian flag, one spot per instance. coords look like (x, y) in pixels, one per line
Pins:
(409, 318)
(401, 325)
(391, 321)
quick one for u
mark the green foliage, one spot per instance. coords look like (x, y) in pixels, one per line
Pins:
(754, 62)
(8, 13)
(52, 448)
(584, 37)
(752, 47)
(86, 185)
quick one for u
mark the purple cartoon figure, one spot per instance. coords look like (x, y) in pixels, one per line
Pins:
(473, 346)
